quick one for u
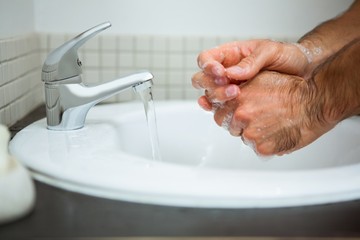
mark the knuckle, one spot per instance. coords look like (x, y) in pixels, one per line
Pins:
(242, 115)
(264, 149)
(250, 60)
(239, 115)
(250, 135)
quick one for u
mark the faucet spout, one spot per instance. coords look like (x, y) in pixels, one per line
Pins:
(67, 99)
(67, 104)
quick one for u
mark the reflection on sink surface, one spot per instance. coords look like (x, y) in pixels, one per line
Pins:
(202, 165)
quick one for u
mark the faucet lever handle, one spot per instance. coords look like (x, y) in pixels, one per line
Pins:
(63, 63)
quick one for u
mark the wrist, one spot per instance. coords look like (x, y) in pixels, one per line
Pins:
(337, 81)
(313, 54)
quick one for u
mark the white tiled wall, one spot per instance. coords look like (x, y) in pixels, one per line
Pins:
(20, 85)
(172, 60)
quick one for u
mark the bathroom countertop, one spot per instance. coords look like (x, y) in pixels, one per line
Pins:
(64, 214)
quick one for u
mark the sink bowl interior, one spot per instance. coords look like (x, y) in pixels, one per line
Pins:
(202, 165)
(189, 136)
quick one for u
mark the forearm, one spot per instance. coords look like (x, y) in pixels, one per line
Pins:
(331, 36)
(338, 84)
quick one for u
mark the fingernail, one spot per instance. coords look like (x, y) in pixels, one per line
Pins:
(221, 81)
(231, 91)
(217, 70)
(235, 70)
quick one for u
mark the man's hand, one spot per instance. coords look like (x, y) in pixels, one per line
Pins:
(235, 62)
(275, 113)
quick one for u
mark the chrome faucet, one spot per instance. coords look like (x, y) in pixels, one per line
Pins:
(67, 98)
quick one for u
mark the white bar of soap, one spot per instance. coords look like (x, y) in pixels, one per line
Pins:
(17, 192)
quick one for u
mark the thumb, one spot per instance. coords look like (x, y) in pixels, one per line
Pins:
(251, 65)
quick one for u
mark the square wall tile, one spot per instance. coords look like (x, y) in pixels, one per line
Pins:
(125, 60)
(126, 43)
(142, 60)
(91, 59)
(56, 40)
(176, 77)
(193, 44)
(160, 77)
(143, 43)
(209, 42)
(159, 60)
(92, 45)
(176, 44)
(108, 42)
(176, 60)
(109, 59)
(160, 44)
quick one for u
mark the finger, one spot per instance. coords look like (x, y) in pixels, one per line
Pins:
(213, 68)
(197, 80)
(265, 148)
(214, 61)
(261, 57)
(205, 81)
(239, 122)
(227, 120)
(236, 127)
(223, 115)
(202, 80)
(223, 93)
(205, 103)
(248, 67)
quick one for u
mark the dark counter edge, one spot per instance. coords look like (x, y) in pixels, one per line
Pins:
(64, 214)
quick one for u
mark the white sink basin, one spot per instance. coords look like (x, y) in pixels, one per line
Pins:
(202, 165)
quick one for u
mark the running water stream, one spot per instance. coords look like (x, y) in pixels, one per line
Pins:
(147, 99)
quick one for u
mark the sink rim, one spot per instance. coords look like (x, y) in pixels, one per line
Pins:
(283, 195)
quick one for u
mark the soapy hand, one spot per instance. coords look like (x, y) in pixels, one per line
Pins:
(278, 113)
(275, 113)
(244, 102)
(280, 97)
(230, 64)
(241, 60)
